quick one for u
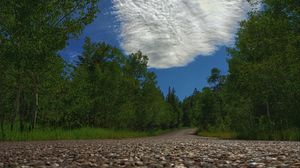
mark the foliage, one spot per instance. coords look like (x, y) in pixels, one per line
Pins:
(218, 134)
(259, 98)
(66, 134)
(31, 33)
(175, 108)
(105, 89)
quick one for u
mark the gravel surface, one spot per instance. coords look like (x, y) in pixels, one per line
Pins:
(177, 149)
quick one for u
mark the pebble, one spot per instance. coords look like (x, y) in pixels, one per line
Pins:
(139, 163)
(25, 167)
(189, 163)
(252, 164)
(55, 165)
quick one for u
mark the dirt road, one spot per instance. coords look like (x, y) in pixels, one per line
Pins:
(177, 149)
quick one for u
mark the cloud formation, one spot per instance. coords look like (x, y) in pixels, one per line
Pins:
(173, 32)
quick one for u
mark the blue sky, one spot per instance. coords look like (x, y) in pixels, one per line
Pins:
(107, 28)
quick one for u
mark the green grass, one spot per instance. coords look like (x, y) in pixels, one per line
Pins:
(75, 134)
(292, 134)
(283, 135)
(218, 134)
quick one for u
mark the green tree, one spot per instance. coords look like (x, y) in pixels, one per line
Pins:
(263, 65)
(216, 80)
(31, 32)
(175, 108)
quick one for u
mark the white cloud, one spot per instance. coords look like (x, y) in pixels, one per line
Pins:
(173, 32)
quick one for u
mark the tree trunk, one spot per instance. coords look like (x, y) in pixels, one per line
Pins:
(17, 107)
(2, 120)
(21, 113)
(268, 111)
(36, 98)
(2, 128)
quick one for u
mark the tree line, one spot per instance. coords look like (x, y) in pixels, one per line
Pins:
(259, 98)
(105, 88)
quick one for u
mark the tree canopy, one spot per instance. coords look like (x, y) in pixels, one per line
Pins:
(260, 95)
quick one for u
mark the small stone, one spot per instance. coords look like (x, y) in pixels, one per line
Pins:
(281, 158)
(191, 154)
(25, 167)
(206, 165)
(227, 162)
(105, 165)
(180, 166)
(261, 165)
(270, 159)
(252, 164)
(55, 165)
(283, 165)
(112, 155)
(162, 158)
(210, 160)
(81, 161)
(164, 163)
(189, 162)
(235, 164)
(139, 163)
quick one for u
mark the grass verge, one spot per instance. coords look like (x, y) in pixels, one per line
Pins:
(283, 135)
(292, 134)
(218, 134)
(75, 134)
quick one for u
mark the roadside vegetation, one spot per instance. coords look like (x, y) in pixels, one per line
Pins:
(218, 134)
(44, 97)
(76, 134)
(259, 98)
(283, 135)
(62, 134)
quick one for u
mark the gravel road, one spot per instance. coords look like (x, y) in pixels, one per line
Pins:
(177, 149)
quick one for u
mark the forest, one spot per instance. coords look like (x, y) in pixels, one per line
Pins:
(104, 89)
(259, 97)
